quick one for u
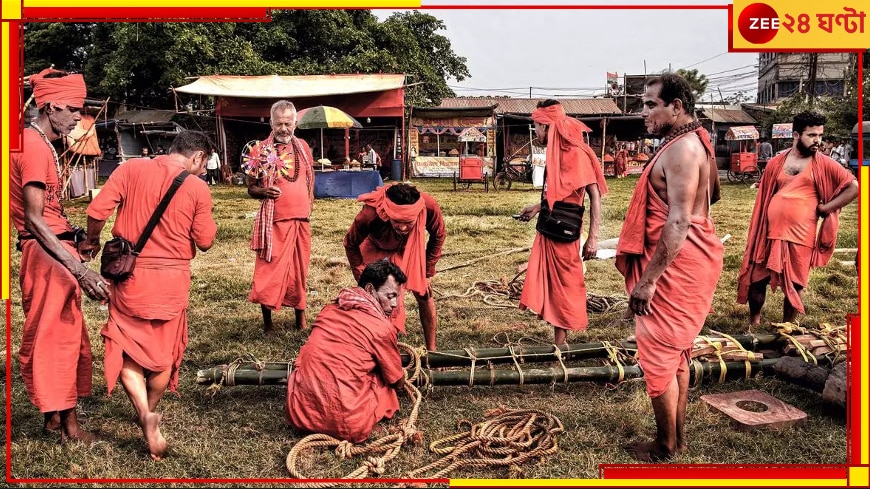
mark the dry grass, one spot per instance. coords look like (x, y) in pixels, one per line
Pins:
(240, 432)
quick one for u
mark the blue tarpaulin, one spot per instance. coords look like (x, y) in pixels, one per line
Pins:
(345, 184)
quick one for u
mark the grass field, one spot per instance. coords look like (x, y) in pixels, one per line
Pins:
(240, 431)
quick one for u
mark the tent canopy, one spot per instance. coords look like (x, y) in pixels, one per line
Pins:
(741, 133)
(275, 86)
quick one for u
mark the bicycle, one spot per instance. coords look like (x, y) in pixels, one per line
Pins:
(516, 172)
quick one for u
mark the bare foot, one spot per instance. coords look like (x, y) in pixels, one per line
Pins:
(52, 422)
(76, 435)
(648, 451)
(156, 443)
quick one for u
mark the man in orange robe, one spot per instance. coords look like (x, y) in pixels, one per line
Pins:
(555, 287)
(392, 224)
(346, 375)
(798, 187)
(621, 162)
(279, 172)
(55, 353)
(146, 334)
(670, 256)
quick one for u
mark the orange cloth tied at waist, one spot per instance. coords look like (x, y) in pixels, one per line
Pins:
(67, 90)
(564, 174)
(413, 261)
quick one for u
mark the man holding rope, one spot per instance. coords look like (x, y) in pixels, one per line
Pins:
(345, 378)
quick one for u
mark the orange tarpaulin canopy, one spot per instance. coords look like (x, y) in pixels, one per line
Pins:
(83, 139)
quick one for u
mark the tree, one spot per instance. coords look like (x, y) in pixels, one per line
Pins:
(138, 63)
(697, 81)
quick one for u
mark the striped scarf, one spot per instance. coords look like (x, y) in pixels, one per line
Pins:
(358, 298)
(261, 240)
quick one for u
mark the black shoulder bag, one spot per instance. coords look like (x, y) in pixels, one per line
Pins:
(119, 255)
(562, 222)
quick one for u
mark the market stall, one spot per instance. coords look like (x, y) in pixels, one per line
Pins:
(434, 139)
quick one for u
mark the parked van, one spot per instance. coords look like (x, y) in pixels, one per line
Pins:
(865, 158)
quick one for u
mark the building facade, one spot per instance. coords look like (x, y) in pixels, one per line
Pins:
(781, 75)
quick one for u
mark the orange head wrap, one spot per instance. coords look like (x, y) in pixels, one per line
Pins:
(414, 258)
(67, 90)
(563, 172)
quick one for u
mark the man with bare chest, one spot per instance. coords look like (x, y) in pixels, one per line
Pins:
(670, 256)
(798, 187)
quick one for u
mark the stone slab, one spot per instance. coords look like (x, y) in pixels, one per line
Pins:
(754, 409)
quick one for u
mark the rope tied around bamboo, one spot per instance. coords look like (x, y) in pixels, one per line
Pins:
(378, 452)
(506, 438)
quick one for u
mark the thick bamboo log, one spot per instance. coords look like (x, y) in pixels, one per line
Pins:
(247, 374)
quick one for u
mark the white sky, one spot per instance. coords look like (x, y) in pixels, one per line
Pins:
(567, 52)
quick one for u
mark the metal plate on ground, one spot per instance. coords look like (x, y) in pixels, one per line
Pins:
(754, 409)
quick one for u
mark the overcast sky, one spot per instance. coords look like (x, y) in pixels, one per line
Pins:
(567, 53)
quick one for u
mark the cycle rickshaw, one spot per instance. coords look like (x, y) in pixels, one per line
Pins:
(471, 166)
(744, 159)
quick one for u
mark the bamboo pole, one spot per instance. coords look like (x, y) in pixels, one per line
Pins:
(700, 372)
(273, 373)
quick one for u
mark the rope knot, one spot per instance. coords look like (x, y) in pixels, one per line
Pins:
(375, 465)
(343, 450)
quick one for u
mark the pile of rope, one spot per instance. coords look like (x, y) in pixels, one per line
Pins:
(378, 452)
(506, 438)
(501, 294)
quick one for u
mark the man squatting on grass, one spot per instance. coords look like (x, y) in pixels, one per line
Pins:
(55, 352)
(345, 378)
(670, 256)
(146, 334)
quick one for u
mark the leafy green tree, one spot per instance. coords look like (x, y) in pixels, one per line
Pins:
(696, 80)
(138, 63)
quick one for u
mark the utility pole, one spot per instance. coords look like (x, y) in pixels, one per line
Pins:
(810, 87)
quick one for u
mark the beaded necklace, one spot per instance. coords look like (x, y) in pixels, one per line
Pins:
(51, 146)
(56, 165)
(684, 129)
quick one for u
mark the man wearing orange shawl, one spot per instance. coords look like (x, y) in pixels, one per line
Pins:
(146, 334)
(392, 224)
(620, 162)
(785, 241)
(55, 353)
(280, 173)
(670, 256)
(555, 288)
(345, 378)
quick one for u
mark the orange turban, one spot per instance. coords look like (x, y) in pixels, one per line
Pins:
(67, 90)
(414, 258)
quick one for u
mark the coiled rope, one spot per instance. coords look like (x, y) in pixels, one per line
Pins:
(506, 438)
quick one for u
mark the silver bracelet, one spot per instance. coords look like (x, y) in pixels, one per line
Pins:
(84, 272)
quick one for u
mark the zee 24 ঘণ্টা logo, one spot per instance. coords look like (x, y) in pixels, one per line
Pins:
(759, 23)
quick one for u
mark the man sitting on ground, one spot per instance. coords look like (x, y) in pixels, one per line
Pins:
(345, 378)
